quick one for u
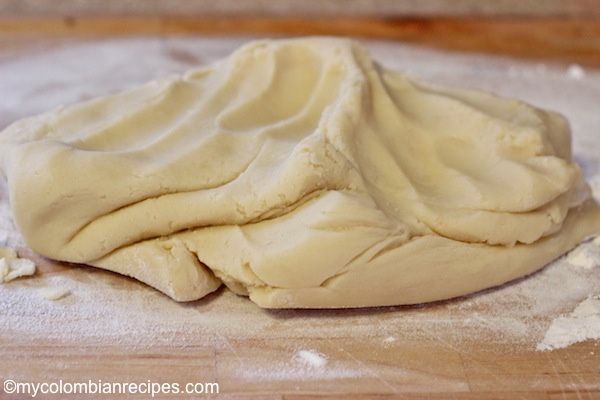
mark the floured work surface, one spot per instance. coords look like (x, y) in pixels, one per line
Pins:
(111, 328)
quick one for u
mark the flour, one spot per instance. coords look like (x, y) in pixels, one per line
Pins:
(297, 370)
(584, 322)
(312, 358)
(586, 255)
(575, 72)
(390, 339)
(580, 325)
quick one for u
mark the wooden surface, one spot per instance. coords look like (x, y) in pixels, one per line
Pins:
(306, 8)
(563, 39)
(114, 329)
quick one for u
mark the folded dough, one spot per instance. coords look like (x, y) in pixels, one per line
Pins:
(301, 173)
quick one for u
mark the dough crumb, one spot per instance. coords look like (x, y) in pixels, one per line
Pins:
(54, 293)
(13, 267)
(312, 358)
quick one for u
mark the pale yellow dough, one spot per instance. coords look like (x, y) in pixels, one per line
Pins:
(301, 173)
(12, 266)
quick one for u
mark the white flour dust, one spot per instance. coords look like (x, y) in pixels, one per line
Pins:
(312, 358)
(576, 72)
(297, 369)
(587, 255)
(584, 322)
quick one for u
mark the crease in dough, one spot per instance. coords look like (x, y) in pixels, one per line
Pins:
(303, 174)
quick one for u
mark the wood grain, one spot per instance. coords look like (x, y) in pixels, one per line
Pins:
(306, 8)
(559, 39)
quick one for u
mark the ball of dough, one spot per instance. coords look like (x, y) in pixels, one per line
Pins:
(302, 174)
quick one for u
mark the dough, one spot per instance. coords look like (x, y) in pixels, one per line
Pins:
(13, 267)
(301, 173)
(54, 293)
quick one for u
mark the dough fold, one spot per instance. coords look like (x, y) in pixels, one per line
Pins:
(302, 174)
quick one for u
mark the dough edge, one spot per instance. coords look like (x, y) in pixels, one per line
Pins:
(417, 275)
(426, 269)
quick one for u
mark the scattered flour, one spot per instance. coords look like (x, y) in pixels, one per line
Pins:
(575, 72)
(312, 358)
(297, 370)
(389, 339)
(582, 324)
(586, 255)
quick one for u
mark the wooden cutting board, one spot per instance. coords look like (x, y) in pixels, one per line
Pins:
(112, 329)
